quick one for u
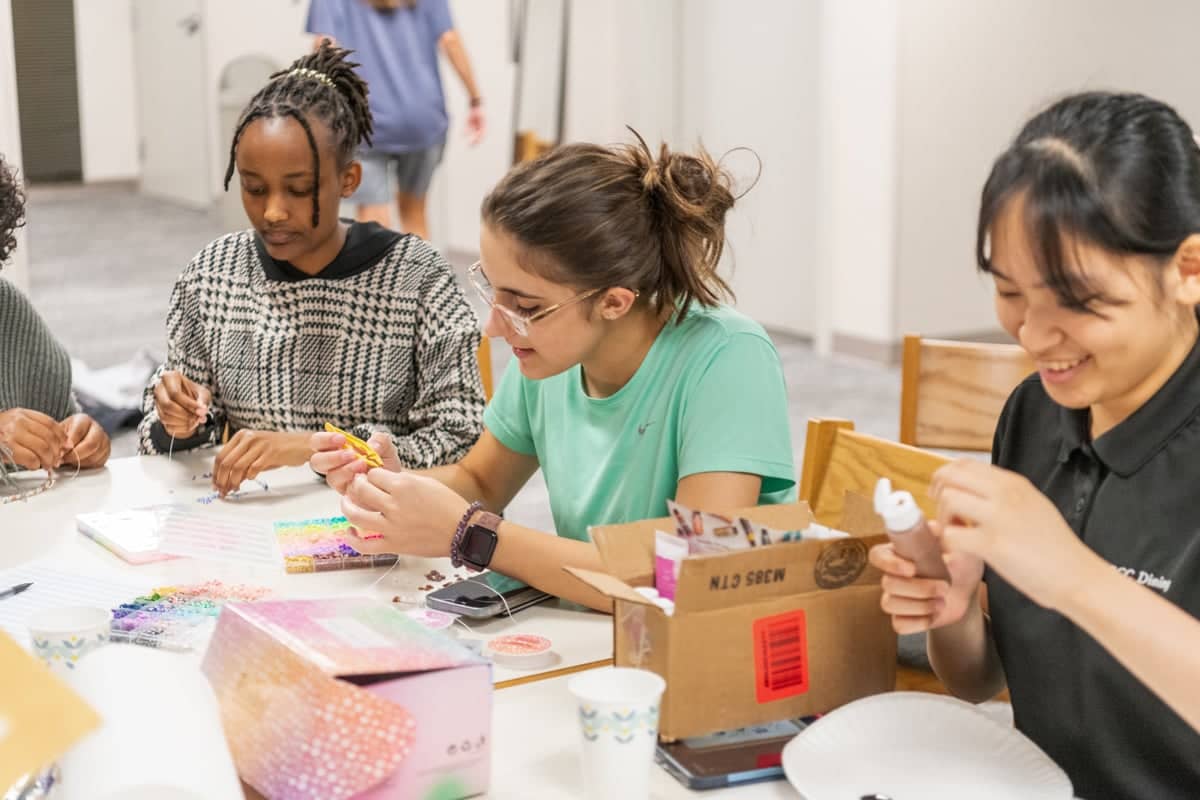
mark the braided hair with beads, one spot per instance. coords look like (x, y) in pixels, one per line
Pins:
(322, 85)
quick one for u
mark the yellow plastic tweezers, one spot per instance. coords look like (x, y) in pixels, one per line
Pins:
(364, 450)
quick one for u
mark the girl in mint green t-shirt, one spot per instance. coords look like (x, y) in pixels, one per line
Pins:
(632, 383)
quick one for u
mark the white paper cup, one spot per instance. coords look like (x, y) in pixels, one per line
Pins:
(62, 636)
(618, 721)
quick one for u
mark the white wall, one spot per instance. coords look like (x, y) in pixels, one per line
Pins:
(728, 75)
(541, 55)
(620, 73)
(107, 89)
(856, 191)
(970, 74)
(17, 270)
(749, 78)
(468, 173)
(624, 68)
(273, 29)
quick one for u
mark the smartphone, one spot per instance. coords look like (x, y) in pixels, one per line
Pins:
(730, 758)
(480, 596)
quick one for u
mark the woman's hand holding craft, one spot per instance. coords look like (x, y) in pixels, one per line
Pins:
(34, 440)
(181, 403)
(919, 604)
(86, 444)
(340, 465)
(250, 452)
(412, 514)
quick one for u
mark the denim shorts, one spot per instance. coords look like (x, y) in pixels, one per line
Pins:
(385, 173)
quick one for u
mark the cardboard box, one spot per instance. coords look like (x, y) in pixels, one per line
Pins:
(348, 698)
(758, 635)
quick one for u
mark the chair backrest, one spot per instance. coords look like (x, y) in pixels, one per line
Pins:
(838, 459)
(485, 366)
(952, 393)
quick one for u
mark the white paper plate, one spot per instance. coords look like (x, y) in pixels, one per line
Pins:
(917, 746)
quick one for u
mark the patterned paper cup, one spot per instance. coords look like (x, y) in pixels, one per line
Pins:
(618, 720)
(62, 636)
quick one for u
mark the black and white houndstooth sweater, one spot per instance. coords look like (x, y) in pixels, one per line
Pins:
(381, 340)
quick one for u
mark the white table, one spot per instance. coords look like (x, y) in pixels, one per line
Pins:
(543, 762)
(535, 732)
(44, 527)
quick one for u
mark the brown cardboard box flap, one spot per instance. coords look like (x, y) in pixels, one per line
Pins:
(628, 549)
(609, 585)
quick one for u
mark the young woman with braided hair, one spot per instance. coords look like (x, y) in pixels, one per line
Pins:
(307, 318)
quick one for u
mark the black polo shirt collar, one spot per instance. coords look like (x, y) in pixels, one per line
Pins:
(1131, 444)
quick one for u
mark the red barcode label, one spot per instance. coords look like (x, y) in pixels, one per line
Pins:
(780, 656)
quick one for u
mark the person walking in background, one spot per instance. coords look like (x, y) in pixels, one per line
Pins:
(397, 44)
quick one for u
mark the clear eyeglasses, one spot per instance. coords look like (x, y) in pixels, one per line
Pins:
(517, 321)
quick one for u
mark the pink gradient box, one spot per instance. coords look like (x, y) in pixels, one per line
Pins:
(347, 698)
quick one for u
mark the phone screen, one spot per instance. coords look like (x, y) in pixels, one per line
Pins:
(745, 755)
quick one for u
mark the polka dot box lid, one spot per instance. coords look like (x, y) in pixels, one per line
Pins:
(295, 727)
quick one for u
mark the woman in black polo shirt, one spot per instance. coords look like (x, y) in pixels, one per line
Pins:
(1089, 522)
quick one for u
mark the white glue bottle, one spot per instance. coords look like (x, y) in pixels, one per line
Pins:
(909, 531)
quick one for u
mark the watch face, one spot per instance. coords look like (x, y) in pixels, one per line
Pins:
(478, 545)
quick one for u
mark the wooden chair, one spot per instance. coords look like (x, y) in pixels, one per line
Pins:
(485, 366)
(952, 393)
(838, 459)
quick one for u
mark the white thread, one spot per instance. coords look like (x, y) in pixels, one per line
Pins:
(6, 477)
(387, 572)
(484, 584)
(493, 590)
(78, 465)
(6, 458)
(12, 498)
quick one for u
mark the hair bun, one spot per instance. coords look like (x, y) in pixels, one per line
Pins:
(686, 177)
(681, 179)
(651, 177)
(694, 178)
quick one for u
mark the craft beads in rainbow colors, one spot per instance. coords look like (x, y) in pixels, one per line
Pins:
(177, 617)
(320, 545)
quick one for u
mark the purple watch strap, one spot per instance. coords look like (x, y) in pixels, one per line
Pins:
(456, 542)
